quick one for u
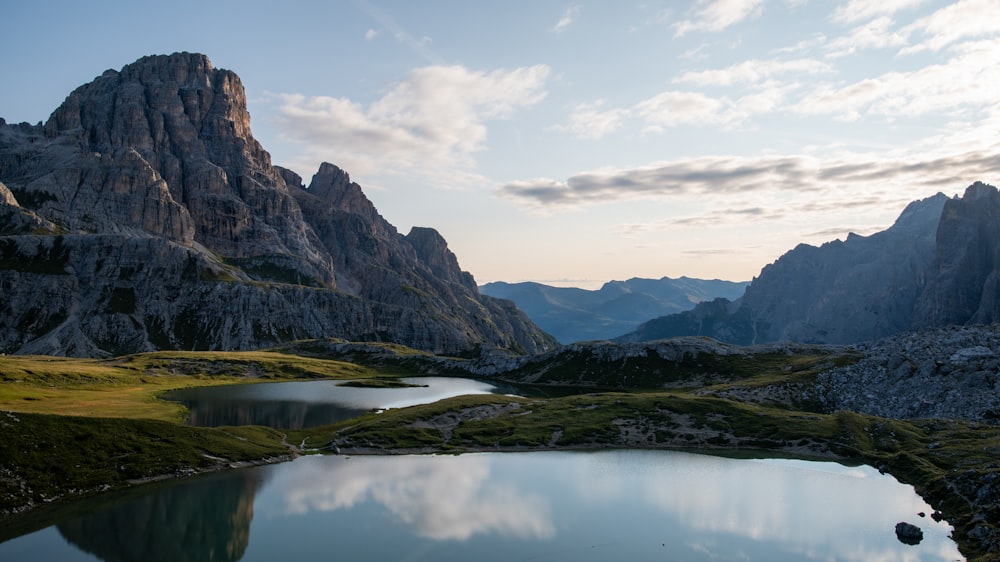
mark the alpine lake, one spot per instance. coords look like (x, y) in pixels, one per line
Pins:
(540, 505)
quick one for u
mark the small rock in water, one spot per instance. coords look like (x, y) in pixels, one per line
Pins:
(908, 534)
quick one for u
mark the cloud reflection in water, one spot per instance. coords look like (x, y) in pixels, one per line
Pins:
(441, 498)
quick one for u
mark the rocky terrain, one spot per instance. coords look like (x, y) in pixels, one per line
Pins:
(573, 315)
(936, 266)
(144, 215)
(951, 372)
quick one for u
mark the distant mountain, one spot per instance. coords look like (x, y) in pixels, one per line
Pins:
(144, 215)
(938, 265)
(574, 315)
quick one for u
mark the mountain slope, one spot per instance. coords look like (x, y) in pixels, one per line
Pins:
(937, 265)
(144, 215)
(573, 315)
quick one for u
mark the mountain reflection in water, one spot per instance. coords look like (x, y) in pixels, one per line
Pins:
(301, 404)
(558, 506)
(205, 519)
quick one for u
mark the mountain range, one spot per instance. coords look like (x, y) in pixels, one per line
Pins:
(144, 215)
(937, 265)
(573, 315)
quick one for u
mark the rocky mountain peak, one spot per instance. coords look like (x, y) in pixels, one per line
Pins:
(334, 187)
(144, 215)
(922, 214)
(979, 190)
(432, 250)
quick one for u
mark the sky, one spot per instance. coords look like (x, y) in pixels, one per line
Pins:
(574, 143)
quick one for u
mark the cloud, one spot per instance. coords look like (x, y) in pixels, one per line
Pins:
(567, 19)
(590, 121)
(421, 47)
(858, 10)
(966, 19)
(371, 34)
(753, 71)
(961, 82)
(673, 108)
(816, 40)
(431, 123)
(732, 176)
(875, 34)
(716, 15)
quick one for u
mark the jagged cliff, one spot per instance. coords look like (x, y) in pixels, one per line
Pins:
(144, 215)
(936, 266)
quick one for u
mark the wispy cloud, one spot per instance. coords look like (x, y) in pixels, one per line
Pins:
(430, 123)
(729, 176)
(959, 82)
(592, 121)
(420, 46)
(879, 33)
(567, 19)
(966, 19)
(859, 10)
(753, 71)
(716, 15)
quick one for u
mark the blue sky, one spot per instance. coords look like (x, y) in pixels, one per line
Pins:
(574, 143)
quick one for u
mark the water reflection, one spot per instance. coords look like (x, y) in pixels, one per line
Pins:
(442, 498)
(848, 513)
(205, 519)
(301, 404)
(562, 506)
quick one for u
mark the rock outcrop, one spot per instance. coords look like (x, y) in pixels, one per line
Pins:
(951, 372)
(936, 266)
(144, 215)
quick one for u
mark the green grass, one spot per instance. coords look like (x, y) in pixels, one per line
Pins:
(128, 386)
(45, 458)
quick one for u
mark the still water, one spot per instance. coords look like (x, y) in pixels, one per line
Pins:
(300, 404)
(551, 506)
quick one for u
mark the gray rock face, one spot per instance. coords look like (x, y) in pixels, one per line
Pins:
(144, 215)
(937, 265)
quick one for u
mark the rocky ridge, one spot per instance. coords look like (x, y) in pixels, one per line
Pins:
(936, 265)
(144, 215)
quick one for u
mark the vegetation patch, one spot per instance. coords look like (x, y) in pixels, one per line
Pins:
(46, 458)
(277, 269)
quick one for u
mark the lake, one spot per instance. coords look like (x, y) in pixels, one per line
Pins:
(551, 506)
(301, 404)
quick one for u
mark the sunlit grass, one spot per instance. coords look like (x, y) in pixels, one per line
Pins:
(127, 387)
